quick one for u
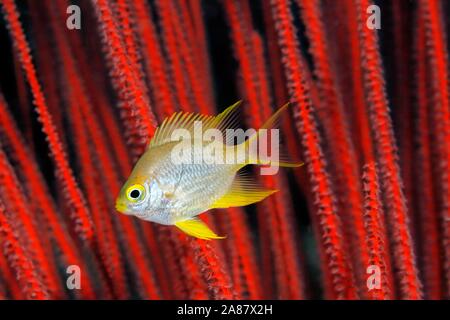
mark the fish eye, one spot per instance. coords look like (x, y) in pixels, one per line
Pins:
(135, 193)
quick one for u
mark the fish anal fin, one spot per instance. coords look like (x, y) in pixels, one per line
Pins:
(244, 191)
(197, 228)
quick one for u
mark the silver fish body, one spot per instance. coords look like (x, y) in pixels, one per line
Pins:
(165, 190)
(178, 191)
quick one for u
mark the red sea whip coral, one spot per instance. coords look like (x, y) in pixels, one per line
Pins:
(336, 266)
(254, 83)
(376, 238)
(336, 127)
(100, 92)
(430, 247)
(73, 195)
(437, 54)
(385, 147)
(20, 261)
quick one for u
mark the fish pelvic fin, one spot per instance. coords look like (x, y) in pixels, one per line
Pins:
(251, 143)
(198, 229)
(244, 191)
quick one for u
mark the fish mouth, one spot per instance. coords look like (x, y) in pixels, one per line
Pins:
(120, 207)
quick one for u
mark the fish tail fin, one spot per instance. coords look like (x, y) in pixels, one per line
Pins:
(197, 228)
(251, 145)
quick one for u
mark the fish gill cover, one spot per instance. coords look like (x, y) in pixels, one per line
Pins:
(367, 217)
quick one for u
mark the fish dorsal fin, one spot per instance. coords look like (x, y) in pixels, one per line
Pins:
(186, 120)
(197, 228)
(243, 191)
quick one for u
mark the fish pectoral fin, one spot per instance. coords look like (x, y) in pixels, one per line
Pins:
(244, 191)
(197, 228)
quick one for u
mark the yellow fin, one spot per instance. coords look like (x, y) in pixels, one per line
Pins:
(284, 160)
(244, 191)
(186, 120)
(197, 228)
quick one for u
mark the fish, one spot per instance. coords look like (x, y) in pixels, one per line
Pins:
(166, 185)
